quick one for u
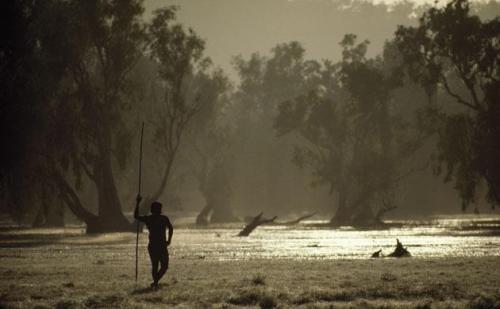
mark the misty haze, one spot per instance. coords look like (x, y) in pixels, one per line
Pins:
(238, 153)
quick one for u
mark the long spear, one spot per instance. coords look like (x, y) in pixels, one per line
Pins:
(137, 205)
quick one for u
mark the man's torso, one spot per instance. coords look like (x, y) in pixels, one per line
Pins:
(157, 226)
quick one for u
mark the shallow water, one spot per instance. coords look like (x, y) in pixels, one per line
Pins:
(437, 238)
(440, 239)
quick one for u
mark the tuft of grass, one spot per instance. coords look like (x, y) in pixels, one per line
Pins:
(247, 297)
(252, 297)
(424, 305)
(37, 306)
(153, 299)
(66, 304)
(69, 285)
(319, 295)
(258, 279)
(388, 277)
(485, 302)
(103, 301)
(268, 302)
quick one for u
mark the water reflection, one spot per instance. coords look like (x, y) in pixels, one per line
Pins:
(437, 238)
(441, 238)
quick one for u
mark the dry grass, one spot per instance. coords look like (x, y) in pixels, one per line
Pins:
(101, 275)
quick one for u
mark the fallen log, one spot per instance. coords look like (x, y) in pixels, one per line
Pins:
(257, 220)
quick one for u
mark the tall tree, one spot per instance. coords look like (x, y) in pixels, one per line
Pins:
(104, 44)
(210, 137)
(454, 52)
(352, 141)
(178, 55)
(261, 156)
(32, 66)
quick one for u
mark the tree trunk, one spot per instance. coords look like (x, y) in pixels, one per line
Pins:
(54, 215)
(51, 211)
(69, 196)
(110, 217)
(16, 198)
(364, 216)
(39, 220)
(343, 215)
(203, 217)
(222, 211)
(355, 211)
(216, 188)
(223, 214)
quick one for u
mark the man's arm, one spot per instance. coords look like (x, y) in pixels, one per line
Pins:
(170, 231)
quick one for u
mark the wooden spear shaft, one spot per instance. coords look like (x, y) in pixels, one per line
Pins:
(137, 205)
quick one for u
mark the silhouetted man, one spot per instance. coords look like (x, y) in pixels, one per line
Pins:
(157, 225)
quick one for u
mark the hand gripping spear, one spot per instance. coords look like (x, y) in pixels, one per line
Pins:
(138, 200)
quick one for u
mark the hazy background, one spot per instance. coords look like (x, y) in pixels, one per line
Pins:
(231, 28)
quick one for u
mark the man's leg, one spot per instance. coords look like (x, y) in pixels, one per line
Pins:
(164, 259)
(153, 255)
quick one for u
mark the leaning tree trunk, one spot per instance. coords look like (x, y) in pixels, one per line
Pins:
(110, 217)
(256, 221)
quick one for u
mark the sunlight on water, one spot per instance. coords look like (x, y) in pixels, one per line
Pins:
(283, 242)
(437, 238)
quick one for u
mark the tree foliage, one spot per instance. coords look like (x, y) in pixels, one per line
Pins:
(353, 142)
(262, 157)
(455, 52)
(211, 134)
(77, 128)
(32, 68)
(178, 56)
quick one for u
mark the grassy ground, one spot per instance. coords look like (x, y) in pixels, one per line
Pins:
(101, 274)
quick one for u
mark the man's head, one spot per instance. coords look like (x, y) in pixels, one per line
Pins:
(156, 208)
